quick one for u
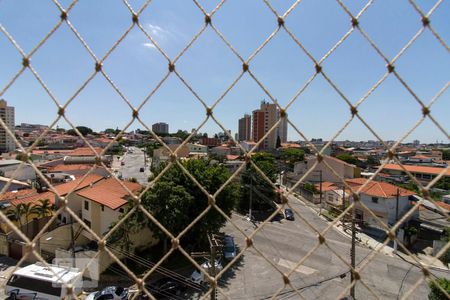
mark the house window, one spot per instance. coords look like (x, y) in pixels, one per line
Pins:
(103, 207)
(374, 200)
(86, 205)
(88, 223)
(121, 210)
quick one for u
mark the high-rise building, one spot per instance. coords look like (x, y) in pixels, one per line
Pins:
(245, 128)
(264, 119)
(160, 127)
(7, 114)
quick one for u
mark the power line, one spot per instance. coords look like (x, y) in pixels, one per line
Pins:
(166, 272)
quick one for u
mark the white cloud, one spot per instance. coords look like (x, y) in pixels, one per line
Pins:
(157, 32)
(149, 45)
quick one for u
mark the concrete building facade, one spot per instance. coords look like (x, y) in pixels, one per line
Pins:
(7, 115)
(263, 120)
(160, 127)
(245, 128)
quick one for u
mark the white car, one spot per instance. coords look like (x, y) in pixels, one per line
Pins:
(199, 278)
(109, 293)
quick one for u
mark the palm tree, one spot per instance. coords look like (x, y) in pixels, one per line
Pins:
(44, 208)
(27, 210)
(15, 214)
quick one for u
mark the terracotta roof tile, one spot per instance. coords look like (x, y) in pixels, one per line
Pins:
(417, 169)
(443, 205)
(109, 192)
(85, 151)
(65, 188)
(65, 168)
(378, 189)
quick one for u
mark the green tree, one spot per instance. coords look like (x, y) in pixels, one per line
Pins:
(44, 208)
(347, 158)
(291, 155)
(372, 161)
(311, 188)
(110, 131)
(176, 201)
(445, 258)
(23, 157)
(182, 134)
(82, 129)
(15, 214)
(435, 292)
(446, 154)
(254, 186)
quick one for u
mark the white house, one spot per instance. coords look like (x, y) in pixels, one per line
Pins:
(103, 203)
(387, 201)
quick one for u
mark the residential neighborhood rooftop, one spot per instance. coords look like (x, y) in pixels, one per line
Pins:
(110, 192)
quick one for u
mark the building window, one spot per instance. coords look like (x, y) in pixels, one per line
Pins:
(103, 207)
(374, 200)
(87, 223)
(86, 205)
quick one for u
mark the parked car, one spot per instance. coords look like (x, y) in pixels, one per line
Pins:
(141, 170)
(110, 293)
(164, 288)
(229, 249)
(199, 278)
(289, 214)
(122, 163)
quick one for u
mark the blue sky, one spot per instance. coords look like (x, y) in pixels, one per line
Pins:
(135, 66)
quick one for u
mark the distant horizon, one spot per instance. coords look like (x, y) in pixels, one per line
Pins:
(211, 135)
(209, 67)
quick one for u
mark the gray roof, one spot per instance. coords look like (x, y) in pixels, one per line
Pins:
(7, 162)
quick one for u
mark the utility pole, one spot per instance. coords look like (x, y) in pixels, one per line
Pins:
(396, 218)
(251, 196)
(72, 241)
(352, 253)
(320, 187)
(214, 245)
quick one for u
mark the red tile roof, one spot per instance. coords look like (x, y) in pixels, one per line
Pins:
(26, 196)
(109, 192)
(35, 198)
(85, 151)
(443, 205)
(327, 186)
(65, 188)
(65, 168)
(417, 169)
(232, 157)
(378, 189)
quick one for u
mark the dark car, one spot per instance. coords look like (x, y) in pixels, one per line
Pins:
(111, 292)
(289, 214)
(229, 249)
(164, 288)
(141, 170)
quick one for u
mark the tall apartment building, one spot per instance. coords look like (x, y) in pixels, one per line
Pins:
(245, 128)
(7, 114)
(160, 128)
(264, 119)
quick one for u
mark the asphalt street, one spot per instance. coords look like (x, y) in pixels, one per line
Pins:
(130, 164)
(285, 243)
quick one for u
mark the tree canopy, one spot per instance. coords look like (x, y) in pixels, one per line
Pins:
(435, 292)
(347, 158)
(254, 186)
(175, 200)
(82, 129)
(291, 155)
(446, 154)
